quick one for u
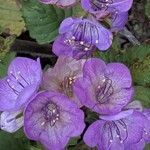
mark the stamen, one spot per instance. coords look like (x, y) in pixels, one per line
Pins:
(12, 87)
(100, 4)
(113, 129)
(51, 113)
(104, 91)
(66, 86)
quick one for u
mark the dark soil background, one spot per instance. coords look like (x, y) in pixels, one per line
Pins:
(139, 23)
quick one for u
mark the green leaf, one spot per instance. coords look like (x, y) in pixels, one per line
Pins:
(138, 60)
(73, 141)
(34, 148)
(80, 146)
(9, 142)
(4, 63)
(147, 147)
(11, 20)
(78, 11)
(113, 54)
(108, 56)
(5, 44)
(43, 21)
(143, 95)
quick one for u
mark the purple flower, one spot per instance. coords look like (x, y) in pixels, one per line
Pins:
(21, 83)
(105, 89)
(53, 119)
(116, 131)
(115, 10)
(10, 121)
(116, 6)
(146, 134)
(61, 78)
(59, 3)
(79, 38)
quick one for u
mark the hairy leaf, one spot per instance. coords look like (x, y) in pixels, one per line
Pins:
(143, 95)
(42, 20)
(4, 63)
(10, 17)
(9, 142)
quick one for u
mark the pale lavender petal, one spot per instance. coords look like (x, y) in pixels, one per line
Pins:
(22, 82)
(62, 76)
(10, 122)
(52, 119)
(135, 105)
(105, 89)
(118, 21)
(111, 134)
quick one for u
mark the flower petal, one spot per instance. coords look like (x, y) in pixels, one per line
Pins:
(70, 123)
(10, 122)
(120, 75)
(25, 70)
(119, 20)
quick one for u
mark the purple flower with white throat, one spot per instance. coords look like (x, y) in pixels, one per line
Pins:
(116, 131)
(79, 37)
(146, 134)
(114, 10)
(59, 3)
(61, 78)
(21, 83)
(111, 6)
(105, 89)
(53, 119)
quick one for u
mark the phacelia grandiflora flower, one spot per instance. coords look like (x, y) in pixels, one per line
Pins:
(116, 131)
(110, 6)
(79, 37)
(16, 89)
(61, 78)
(115, 10)
(59, 3)
(145, 136)
(105, 89)
(22, 81)
(53, 119)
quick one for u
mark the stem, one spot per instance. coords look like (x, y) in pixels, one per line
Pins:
(32, 48)
(125, 32)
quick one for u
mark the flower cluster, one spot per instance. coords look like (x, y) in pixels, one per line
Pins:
(80, 37)
(49, 104)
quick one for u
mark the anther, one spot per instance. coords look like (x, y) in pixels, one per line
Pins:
(73, 37)
(86, 49)
(42, 123)
(118, 136)
(53, 110)
(81, 42)
(57, 118)
(121, 141)
(110, 141)
(96, 41)
(8, 80)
